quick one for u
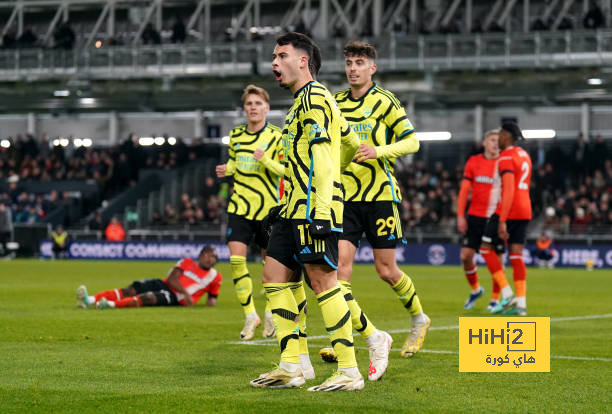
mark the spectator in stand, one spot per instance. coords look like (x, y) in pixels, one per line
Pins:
(157, 219)
(9, 40)
(64, 36)
(170, 216)
(599, 154)
(6, 226)
(580, 156)
(179, 33)
(96, 223)
(543, 251)
(150, 35)
(594, 19)
(580, 221)
(27, 39)
(60, 243)
(114, 231)
(211, 187)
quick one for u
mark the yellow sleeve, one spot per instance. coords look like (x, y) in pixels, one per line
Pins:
(407, 145)
(397, 120)
(276, 167)
(405, 137)
(349, 144)
(320, 145)
(323, 179)
(230, 166)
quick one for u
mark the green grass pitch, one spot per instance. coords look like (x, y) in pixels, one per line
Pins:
(57, 358)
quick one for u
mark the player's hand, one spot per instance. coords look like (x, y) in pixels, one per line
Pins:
(258, 154)
(365, 152)
(462, 225)
(188, 300)
(271, 218)
(502, 231)
(220, 170)
(319, 229)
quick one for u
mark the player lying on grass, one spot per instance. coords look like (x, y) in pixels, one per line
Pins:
(187, 281)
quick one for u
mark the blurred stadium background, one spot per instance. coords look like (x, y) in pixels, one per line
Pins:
(122, 108)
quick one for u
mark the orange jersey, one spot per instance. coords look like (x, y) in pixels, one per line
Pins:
(196, 280)
(543, 244)
(484, 181)
(515, 202)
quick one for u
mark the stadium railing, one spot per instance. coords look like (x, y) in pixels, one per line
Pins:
(547, 49)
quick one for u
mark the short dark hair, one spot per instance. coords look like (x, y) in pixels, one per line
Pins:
(513, 129)
(211, 249)
(355, 48)
(304, 43)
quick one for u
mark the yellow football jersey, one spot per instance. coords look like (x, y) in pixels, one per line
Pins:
(314, 119)
(378, 119)
(256, 188)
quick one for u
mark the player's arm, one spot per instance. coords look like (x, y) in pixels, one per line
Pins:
(406, 142)
(349, 144)
(229, 168)
(173, 281)
(464, 191)
(269, 159)
(322, 176)
(506, 170)
(214, 291)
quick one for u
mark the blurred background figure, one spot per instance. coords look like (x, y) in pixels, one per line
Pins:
(60, 243)
(543, 251)
(114, 231)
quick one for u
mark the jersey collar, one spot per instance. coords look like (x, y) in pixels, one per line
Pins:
(350, 95)
(256, 132)
(299, 91)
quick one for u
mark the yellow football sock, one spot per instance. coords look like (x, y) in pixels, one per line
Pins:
(407, 295)
(268, 308)
(243, 285)
(285, 313)
(361, 323)
(297, 288)
(337, 317)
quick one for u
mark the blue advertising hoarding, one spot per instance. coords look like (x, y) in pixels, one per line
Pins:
(435, 254)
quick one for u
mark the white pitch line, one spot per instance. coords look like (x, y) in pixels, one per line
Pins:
(433, 328)
(434, 351)
(580, 318)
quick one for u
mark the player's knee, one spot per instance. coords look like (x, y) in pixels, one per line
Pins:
(148, 299)
(467, 257)
(387, 272)
(345, 270)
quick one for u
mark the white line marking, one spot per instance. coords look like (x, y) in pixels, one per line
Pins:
(272, 341)
(434, 351)
(435, 328)
(580, 318)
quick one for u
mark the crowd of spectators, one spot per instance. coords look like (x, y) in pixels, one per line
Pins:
(206, 207)
(573, 190)
(28, 160)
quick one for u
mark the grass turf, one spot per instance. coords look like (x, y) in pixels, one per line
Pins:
(57, 358)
